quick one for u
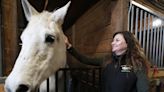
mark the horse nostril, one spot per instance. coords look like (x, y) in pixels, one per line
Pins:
(22, 88)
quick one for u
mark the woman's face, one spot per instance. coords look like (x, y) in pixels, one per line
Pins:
(119, 45)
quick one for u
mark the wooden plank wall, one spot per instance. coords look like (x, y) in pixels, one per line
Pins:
(92, 32)
(9, 9)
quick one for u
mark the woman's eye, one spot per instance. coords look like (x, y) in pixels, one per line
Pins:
(50, 39)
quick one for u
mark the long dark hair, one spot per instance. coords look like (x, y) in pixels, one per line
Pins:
(135, 54)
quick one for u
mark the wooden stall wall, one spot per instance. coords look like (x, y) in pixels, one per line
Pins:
(92, 33)
(9, 32)
(12, 26)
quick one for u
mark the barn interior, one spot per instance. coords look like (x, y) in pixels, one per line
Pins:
(93, 20)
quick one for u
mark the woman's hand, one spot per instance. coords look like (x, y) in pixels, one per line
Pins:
(68, 44)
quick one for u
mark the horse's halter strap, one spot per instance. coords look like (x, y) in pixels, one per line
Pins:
(45, 4)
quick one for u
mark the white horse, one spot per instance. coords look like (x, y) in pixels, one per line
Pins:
(43, 49)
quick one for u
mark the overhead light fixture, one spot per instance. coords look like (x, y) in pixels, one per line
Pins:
(157, 23)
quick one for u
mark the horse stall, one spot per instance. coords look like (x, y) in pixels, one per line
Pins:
(89, 26)
(77, 80)
(147, 24)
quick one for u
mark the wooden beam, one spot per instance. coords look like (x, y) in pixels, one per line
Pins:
(9, 15)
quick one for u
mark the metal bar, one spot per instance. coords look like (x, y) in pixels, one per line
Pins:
(1, 40)
(65, 80)
(48, 85)
(56, 81)
(151, 41)
(93, 77)
(162, 58)
(132, 18)
(87, 74)
(129, 12)
(129, 16)
(145, 14)
(100, 79)
(0, 51)
(128, 21)
(38, 90)
(160, 46)
(69, 81)
(140, 32)
(136, 24)
(154, 46)
(157, 39)
(148, 32)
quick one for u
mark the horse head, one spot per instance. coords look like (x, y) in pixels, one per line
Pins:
(43, 49)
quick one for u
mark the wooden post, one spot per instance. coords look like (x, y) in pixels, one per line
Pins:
(0, 40)
(9, 15)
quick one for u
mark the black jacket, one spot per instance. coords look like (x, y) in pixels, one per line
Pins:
(114, 79)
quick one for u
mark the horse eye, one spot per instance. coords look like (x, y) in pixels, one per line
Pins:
(49, 39)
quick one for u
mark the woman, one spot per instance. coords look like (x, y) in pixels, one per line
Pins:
(125, 70)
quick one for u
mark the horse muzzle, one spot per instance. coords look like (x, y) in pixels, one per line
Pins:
(22, 88)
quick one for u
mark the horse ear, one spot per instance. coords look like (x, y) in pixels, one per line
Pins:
(28, 9)
(59, 14)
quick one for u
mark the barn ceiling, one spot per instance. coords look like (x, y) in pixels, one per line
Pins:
(76, 9)
(158, 3)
